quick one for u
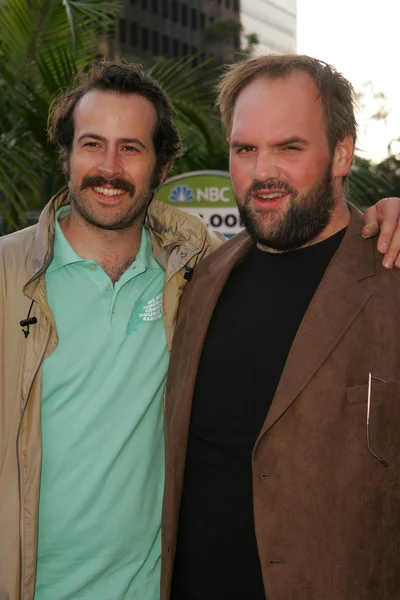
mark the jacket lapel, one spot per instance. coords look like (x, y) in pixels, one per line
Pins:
(336, 303)
(198, 304)
(213, 276)
(205, 289)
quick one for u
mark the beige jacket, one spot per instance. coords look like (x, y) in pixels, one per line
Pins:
(179, 240)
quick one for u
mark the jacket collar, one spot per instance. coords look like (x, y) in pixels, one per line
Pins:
(44, 235)
(351, 256)
(168, 227)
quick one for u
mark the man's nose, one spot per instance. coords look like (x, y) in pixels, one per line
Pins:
(110, 165)
(265, 167)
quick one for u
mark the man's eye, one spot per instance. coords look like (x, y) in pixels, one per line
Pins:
(295, 148)
(91, 144)
(130, 149)
(245, 149)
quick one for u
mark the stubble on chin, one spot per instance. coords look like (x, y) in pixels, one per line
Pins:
(108, 219)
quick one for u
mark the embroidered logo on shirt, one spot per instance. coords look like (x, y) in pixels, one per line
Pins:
(152, 310)
(146, 312)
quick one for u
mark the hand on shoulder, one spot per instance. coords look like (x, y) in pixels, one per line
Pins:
(384, 219)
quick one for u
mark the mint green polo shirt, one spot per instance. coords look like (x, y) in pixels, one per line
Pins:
(102, 428)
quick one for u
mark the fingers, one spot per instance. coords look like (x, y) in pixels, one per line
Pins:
(370, 229)
(371, 220)
(392, 255)
(389, 237)
(386, 215)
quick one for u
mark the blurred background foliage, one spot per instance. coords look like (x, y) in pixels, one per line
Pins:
(43, 43)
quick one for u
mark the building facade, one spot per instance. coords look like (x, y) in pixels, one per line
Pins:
(274, 23)
(177, 28)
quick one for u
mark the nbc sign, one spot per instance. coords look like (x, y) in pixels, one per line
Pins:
(205, 193)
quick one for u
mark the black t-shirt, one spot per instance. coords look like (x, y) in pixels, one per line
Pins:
(247, 343)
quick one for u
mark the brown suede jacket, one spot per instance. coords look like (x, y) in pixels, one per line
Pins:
(326, 511)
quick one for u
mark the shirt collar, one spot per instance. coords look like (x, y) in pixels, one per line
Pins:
(64, 254)
(145, 255)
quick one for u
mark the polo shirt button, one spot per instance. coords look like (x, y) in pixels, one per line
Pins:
(113, 311)
(92, 268)
(109, 287)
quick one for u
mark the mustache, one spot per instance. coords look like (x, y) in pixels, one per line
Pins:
(269, 184)
(100, 181)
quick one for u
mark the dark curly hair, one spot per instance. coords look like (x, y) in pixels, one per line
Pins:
(122, 78)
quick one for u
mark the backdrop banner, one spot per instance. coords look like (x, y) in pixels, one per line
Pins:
(205, 193)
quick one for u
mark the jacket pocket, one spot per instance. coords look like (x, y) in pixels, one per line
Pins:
(380, 393)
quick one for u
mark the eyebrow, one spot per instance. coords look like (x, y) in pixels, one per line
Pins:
(236, 144)
(100, 138)
(287, 142)
(292, 140)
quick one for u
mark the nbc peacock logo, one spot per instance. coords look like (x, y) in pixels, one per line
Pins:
(181, 193)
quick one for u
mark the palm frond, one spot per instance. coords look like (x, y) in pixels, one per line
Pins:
(15, 192)
(182, 83)
(369, 181)
(42, 45)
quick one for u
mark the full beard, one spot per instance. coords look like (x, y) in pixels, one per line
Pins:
(124, 218)
(305, 219)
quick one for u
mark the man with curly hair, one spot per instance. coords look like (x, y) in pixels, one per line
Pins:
(96, 285)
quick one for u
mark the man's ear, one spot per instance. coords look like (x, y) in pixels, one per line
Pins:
(163, 174)
(343, 157)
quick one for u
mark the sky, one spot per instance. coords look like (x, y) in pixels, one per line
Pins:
(361, 39)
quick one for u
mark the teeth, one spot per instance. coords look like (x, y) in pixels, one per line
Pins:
(108, 192)
(272, 196)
